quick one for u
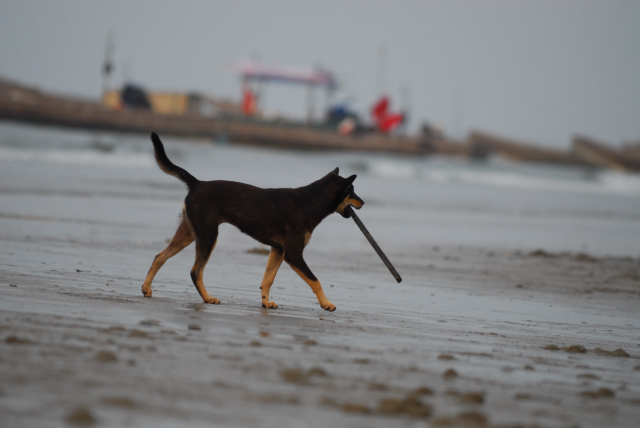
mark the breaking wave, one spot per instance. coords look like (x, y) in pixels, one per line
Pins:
(525, 177)
(79, 157)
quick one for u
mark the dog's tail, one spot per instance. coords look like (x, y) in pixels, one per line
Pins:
(167, 166)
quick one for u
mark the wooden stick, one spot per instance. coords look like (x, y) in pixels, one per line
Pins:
(374, 244)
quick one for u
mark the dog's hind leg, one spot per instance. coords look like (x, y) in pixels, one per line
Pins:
(204, 246)
(183, 237)
(297, 263)
(273, 264)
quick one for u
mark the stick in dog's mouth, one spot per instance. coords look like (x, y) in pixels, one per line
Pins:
(374, 244)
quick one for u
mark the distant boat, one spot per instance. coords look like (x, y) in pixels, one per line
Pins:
(24, 104)
(600, 155)
(485, 144)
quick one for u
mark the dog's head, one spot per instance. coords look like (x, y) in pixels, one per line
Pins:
(345, 194)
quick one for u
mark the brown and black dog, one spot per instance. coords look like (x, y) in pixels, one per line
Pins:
(284, 219)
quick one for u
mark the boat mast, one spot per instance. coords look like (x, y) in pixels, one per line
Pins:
(382, 70)
(107, 67)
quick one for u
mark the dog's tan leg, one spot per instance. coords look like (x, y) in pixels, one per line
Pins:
(273, 264)
(297, 263)
(183, 237)
(204, 247)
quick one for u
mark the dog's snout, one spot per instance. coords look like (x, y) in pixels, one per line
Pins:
(359, 201)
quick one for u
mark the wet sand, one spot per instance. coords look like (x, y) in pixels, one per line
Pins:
(470, 338)
(475, 335)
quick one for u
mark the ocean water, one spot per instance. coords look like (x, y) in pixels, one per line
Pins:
(412, 203)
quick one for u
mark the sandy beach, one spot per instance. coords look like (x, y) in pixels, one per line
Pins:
(484, 331)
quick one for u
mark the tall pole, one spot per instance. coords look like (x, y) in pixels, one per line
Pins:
(457, 117)
(382, 70)
(311, 103)
(405, 93)
(107, 67)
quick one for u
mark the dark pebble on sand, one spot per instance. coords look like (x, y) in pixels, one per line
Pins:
(450, 374)
(464, 419)
(600, 393)
(14, 340)
(81, 416)
(575, 349)
(408, 406)
(355, 408)
(588, 376)
(294, 375)
(106, 357)
(472, 398)
(261, 251)
(446, 357)
(317, 371)
(420, 392)
(617, 353)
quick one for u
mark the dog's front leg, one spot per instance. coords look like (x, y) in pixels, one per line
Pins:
(297, 263)
(273, 264)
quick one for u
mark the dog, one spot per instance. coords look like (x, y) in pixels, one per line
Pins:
(283, 219)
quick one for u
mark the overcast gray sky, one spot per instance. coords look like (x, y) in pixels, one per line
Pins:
(537, 71)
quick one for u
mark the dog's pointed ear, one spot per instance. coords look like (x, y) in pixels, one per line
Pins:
(332, 173)
(349, 181)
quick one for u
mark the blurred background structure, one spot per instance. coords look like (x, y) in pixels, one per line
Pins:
(537, 72)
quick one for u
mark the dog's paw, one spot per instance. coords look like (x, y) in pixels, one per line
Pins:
(329, 307)
(212, 300)
(270, 305)
(146, 293)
